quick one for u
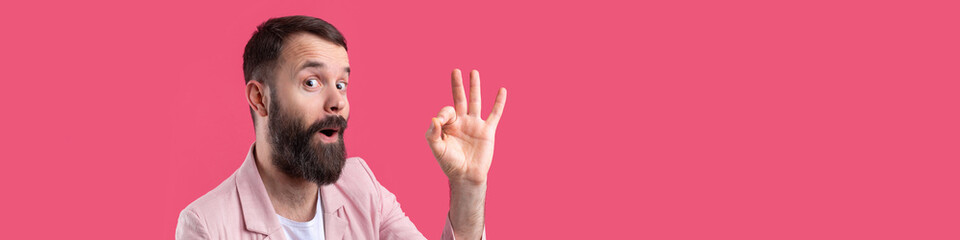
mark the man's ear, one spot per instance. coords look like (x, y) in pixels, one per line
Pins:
(256, 97)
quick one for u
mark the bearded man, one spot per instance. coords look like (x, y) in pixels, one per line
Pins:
(296, 182)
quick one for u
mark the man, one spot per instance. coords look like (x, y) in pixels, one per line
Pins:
(296, 182)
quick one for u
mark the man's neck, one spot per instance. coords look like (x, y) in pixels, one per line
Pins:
(292, 198)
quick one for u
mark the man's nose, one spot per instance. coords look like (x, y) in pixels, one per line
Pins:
(334, 100)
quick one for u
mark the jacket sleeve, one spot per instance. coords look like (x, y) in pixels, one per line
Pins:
(394, 222)
(189, 226)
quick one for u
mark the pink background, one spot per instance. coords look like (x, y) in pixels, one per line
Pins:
(634, 119)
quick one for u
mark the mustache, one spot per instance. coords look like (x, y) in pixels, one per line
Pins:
(332, 121)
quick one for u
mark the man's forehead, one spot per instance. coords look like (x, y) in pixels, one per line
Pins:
(301, 48)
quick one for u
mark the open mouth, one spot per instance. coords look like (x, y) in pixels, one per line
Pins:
(329, 132)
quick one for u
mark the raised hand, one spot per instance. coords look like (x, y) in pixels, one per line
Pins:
(461, 141)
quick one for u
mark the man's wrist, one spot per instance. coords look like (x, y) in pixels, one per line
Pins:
(467, 200)
(466, 195)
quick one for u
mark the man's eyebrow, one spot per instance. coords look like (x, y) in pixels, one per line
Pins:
(311, 64)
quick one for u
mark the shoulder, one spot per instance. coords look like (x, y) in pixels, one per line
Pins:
(217, 207)
(220, 199)
(357, 175)
(358, 184)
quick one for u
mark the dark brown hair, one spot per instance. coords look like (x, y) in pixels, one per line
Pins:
(262, 52)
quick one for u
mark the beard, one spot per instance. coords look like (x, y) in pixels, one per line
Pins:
(296, 153)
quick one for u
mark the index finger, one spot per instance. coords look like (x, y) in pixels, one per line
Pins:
(459, 97)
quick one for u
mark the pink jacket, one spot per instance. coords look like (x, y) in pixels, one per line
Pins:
(355, 207)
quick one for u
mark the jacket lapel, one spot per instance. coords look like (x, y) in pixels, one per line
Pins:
(334, 221)
(258, 213)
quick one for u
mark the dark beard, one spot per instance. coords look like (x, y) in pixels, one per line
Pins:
(294, 151)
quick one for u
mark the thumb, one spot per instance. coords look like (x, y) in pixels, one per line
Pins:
(433, 134)
(434, 137)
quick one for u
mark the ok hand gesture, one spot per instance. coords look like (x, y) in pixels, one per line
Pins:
(461, 141)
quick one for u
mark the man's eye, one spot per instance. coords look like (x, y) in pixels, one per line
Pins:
(341, 85)
(312, 83)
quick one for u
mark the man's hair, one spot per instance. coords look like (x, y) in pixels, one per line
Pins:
(262, 53)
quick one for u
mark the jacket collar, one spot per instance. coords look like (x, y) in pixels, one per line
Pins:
(259, 215)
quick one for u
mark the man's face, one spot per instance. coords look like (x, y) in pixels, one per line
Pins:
(308, 109)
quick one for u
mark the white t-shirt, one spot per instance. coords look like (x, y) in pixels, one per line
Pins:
(310, 230)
